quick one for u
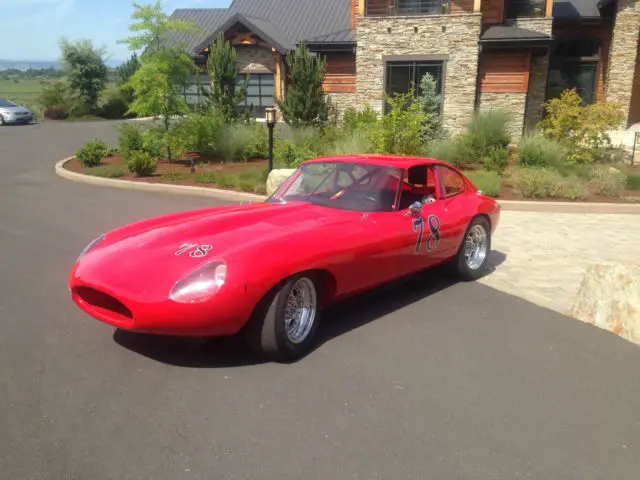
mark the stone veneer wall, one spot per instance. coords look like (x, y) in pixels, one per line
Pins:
(342, 101)
(512, 103)
(536, 93)
(622, 55)
(459, 41)
(253, 59)
(537, 72)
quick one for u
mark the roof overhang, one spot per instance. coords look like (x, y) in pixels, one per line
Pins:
(504, 37)
(265, 30)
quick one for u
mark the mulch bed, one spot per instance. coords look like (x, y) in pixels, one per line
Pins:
(179, 173)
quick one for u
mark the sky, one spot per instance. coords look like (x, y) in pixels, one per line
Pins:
(31, 29)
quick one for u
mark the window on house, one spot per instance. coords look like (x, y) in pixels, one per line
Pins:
(260, 91)
(525, 8)
(574, 64)
(403, 75)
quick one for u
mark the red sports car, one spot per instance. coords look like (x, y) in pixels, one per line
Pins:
(336, 227)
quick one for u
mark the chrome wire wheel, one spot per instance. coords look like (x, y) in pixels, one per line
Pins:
(475, 247)
(300, 310)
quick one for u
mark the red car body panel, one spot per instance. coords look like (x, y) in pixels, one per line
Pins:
(126, 280)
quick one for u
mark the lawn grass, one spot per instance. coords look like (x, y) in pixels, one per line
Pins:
(22, 90)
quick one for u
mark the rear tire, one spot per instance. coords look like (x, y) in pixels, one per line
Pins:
(470, 262)
(284, 325)
(2, 123)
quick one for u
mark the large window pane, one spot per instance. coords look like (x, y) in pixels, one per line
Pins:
(401, 76)
(581, 76)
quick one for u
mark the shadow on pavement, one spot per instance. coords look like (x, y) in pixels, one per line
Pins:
(341, 318)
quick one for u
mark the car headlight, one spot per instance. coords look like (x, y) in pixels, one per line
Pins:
(200, 284)
(94, 243)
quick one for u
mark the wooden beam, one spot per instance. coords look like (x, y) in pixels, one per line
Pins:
(477, 6)
(361, 7)
(278, 76)
(549, 9)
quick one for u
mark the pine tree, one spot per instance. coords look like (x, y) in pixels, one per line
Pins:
(429, 100)
(305, 103)
(223, 71)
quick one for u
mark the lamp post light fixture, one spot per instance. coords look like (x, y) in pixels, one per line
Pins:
(270, 117)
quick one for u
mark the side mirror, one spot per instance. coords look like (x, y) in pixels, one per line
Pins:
(415, 208)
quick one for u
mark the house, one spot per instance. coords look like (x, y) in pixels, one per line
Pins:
(511, 54)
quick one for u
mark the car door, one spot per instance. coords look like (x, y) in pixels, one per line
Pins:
(453, 214)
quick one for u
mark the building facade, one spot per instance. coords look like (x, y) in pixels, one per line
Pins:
(508, 54)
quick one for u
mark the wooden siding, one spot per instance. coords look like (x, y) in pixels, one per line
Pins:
(603, 33)
(341, 72)
(492, 11)
(504, 72)
(462, 6)
(354, 11)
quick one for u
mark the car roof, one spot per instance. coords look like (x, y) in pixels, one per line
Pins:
(389, 160)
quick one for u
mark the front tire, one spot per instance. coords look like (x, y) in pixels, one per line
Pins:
(284, 325)
(470, 263)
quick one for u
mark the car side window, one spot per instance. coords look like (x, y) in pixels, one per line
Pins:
(450, 182)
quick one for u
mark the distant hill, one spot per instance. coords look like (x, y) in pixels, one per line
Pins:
(38, 64)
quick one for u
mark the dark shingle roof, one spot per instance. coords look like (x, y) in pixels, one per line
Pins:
(511, 32)
(285, 22)
(576, 9)
(343, 36)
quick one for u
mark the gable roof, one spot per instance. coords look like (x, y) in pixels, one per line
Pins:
(282, 22)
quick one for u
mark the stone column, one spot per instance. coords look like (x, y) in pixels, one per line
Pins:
(622, 56)
(537, 90)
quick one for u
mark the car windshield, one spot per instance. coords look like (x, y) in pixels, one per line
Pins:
(360, 187)
(6, 103)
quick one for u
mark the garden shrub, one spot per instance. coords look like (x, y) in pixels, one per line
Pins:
(106, 171)
(583, 129)
(535, 150)
(56, 113)
(115, 105)
(130, 139)
(201, 132)
(232, 142)
(142, 163)
(401, 129)
(357, 141)
(606, 182)
(258, 141)
(496, 160)
(92, 153)
(447, 149)
(546, 183)
(485, 130)
(153, 141)
(290, 155)
(633, 181)
(355, 120)
(489, 182)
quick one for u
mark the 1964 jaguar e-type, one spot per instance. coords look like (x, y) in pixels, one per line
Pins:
(336, 227)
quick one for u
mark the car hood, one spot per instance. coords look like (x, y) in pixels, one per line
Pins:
(159, 248)
(14, 110)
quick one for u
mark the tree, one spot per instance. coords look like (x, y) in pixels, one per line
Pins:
(429, 100)
(305, 103)
(124, 72)
(223, 71)
(156, 26)
(85, 70)
(164, 69)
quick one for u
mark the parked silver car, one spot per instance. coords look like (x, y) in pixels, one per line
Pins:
(12, 113)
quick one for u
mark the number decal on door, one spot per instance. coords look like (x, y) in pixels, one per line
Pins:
(433, 240)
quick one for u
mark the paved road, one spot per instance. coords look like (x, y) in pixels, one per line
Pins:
(423, 380)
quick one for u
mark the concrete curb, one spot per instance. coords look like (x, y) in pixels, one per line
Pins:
(230, 195)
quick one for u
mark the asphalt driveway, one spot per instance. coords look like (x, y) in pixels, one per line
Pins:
(421, 380)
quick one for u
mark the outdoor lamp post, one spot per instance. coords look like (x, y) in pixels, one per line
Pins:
(271, 122)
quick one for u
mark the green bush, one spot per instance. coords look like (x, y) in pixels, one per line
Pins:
(251, 180)
(357, 141)
(130, 139)
(115, 105)
(633, 181)
(583, 129)
(142, 163)
(257, 145)
(496, 160)
(92, 153)
(290, 155)
(401, 129)
(201, 133)
(545, 183)
(489, 182)
(535, 150)
(485, 130)
(449, 150)
(354, 120)
(605, 182)
(232, 142)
